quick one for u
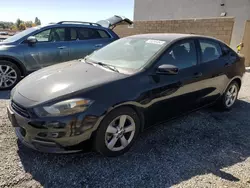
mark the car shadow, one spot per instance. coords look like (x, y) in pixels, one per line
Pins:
(203, 142)
(5, 94)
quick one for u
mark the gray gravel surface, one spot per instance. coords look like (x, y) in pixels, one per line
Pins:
(204, 149)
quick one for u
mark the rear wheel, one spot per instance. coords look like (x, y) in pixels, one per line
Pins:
(229, 97)
(117, 132)
(9, 75)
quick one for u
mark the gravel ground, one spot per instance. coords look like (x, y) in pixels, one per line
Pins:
(204, 149)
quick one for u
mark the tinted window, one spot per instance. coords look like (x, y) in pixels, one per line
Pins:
(210, 50)
(51, 35)
(103, 34)
(73, 34)
(87, 33)
(226, 50)
(183, 55)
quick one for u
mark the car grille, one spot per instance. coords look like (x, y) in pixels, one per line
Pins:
(20, 110)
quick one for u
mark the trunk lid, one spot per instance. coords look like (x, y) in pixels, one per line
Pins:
(114, 21)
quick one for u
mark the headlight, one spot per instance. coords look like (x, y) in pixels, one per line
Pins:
(63, 108)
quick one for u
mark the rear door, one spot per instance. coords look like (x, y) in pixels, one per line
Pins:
(84, 41)
(51, 48)
(213, 69)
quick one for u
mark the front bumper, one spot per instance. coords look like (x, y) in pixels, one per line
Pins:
(52, 135)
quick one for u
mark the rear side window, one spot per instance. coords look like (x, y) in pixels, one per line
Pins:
(210, 50)
(182, 55)
(88, 33)
(227, 51)
(103, 34)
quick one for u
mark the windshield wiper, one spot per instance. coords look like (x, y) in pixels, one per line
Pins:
(110, 67)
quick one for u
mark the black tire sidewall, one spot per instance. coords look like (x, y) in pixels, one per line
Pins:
(224, 95)
(18, 72)
(99, 140)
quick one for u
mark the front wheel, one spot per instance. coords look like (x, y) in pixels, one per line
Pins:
(9, 75)
(117, 132)
(230, 96)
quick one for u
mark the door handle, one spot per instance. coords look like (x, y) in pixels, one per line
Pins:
(197, 75)
(98, 45)
(62, 47)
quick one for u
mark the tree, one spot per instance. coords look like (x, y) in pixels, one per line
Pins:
(13, 28)
(6, 25)
(2, 25)
(28, 24)
(22, 26)
(18, 22)
(37, 21)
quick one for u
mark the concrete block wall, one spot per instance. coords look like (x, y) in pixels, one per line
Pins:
(220, 28)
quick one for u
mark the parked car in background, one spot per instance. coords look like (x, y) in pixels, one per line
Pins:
(118, 91)
(3, 33)
(39, 47)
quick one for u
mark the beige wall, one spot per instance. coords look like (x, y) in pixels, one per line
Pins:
(246, 42)
(220, 28)
(183, 9)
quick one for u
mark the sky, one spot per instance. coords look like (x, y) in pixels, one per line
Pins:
(58, 10)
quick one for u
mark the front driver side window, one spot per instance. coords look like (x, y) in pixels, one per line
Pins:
(43, 36)
(51, 35)
(182, 55)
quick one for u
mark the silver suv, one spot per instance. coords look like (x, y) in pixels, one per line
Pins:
(38, 47)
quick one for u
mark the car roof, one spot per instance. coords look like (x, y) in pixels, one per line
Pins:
(170, 36)
(76, 25)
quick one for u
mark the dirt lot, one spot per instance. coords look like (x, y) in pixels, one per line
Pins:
(2, 37)
(204, 149)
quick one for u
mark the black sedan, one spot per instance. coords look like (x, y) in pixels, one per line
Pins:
(120, 90)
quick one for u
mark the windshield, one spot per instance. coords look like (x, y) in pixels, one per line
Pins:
(20, 35)
(128, 53)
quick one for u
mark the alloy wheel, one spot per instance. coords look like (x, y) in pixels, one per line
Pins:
(8, 76)
(120, 132)
(231, 95)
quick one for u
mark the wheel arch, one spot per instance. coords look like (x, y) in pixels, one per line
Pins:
(16, 62)
(237, 79)
(136, 108)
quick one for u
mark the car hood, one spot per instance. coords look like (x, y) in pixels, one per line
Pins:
(59, 80)
(5, 43)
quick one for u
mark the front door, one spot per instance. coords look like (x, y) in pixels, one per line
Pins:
(51, 48)
(83, 41)
(173, 95)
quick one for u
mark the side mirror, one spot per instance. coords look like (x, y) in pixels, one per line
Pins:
(167, 69)
(31, 40)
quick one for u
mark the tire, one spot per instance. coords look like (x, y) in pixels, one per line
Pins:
(103, 140)
(223, 102)
(9, 78)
